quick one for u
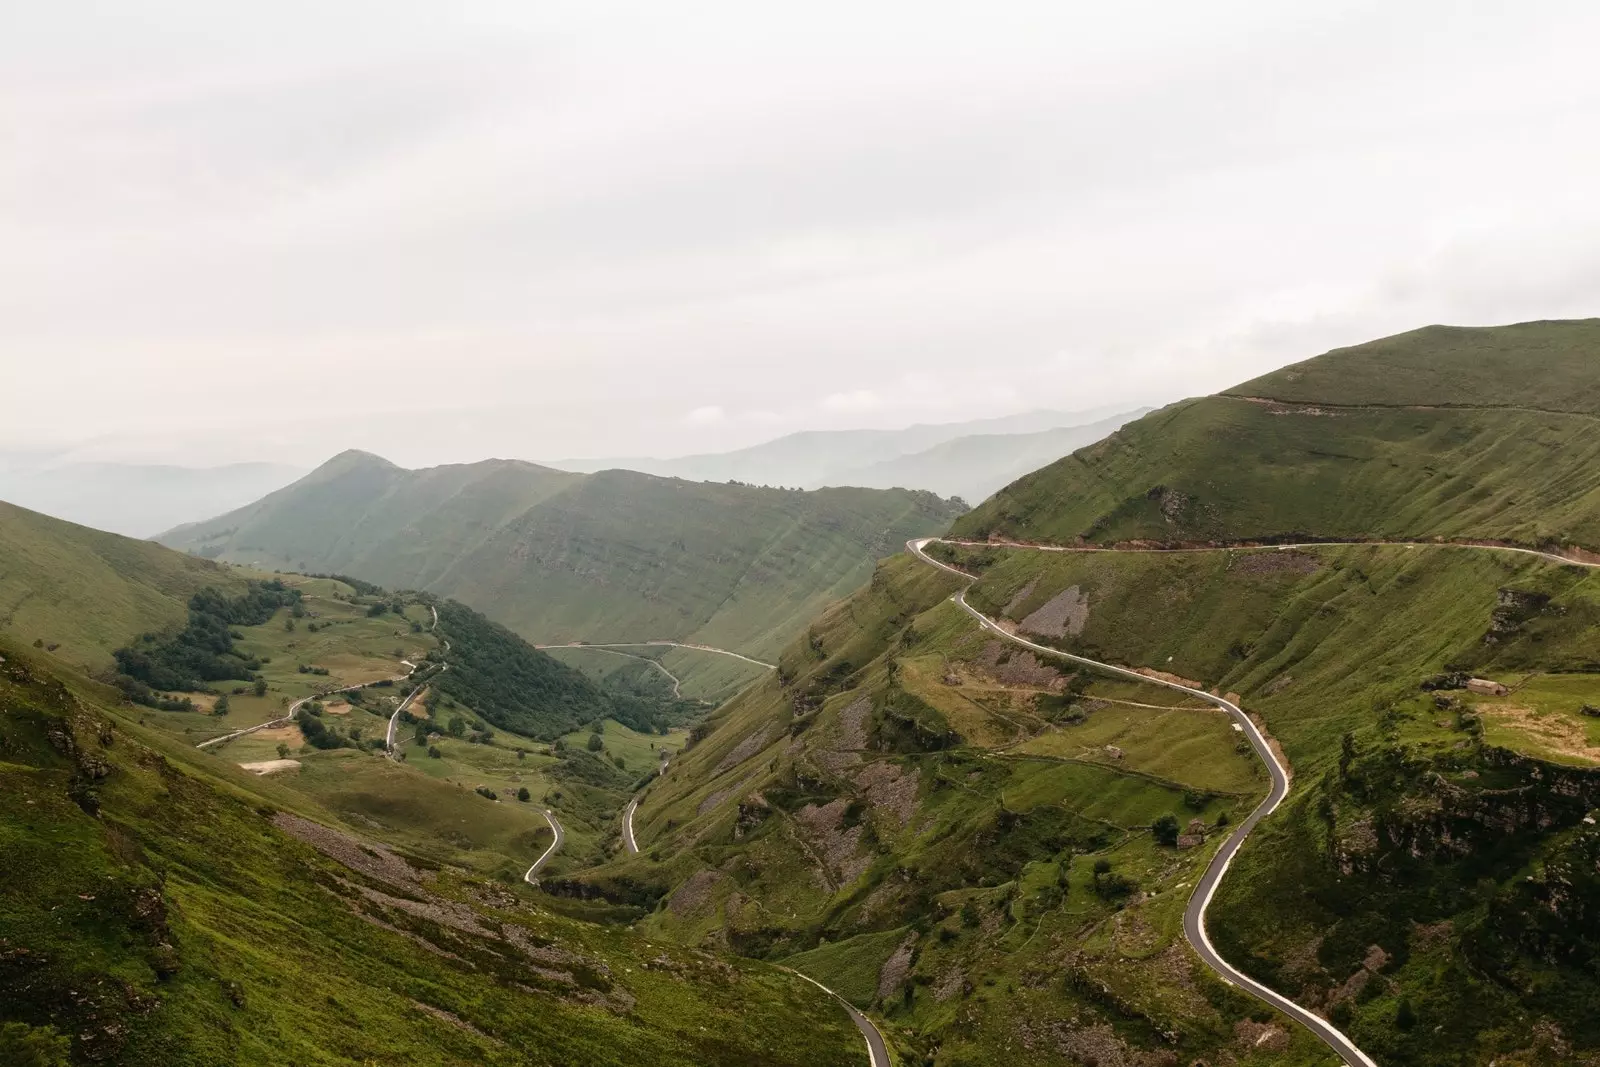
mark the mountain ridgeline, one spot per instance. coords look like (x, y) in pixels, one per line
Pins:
(560, 557)
(1445, 432)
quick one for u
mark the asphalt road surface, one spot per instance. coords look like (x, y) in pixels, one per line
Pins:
(877, 1051)
(661, 644)
(555, 825)
(1194, 917)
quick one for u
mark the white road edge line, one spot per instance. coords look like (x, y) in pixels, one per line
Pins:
(1200, 900)
(555, 828)
(862, 1022)
(660, 644)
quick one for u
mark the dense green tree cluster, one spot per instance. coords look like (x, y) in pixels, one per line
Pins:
(514, 686)
(202, 652)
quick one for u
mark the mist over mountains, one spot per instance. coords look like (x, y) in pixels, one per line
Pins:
(967, 459)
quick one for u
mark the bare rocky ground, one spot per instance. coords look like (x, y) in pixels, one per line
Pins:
(453, 929)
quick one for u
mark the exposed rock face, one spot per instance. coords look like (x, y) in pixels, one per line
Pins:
(1439, 819)
(1065, 613)
(743, 750)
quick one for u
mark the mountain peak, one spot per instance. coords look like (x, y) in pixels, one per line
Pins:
(355, 459)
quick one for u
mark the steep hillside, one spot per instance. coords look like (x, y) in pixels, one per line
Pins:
(1453, 433)
(1547, 366)
(960, 838)
(82, 593)
(160, 908)
(559, 557)
(994, 848)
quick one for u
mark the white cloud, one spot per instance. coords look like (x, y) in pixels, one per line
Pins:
(560, 227)
(856, 401)
(709, 415)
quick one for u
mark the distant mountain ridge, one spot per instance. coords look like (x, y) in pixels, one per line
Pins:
(133, 499)
(956, 459)
(559, 556)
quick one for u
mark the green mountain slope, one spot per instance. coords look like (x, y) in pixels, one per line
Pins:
(972, 839)
(1400, 461)
(160, 908)
(85, 592)
(1549, 366)
(937, 830)
(561, 557)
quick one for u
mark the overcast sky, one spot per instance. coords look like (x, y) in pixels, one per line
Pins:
(443, 231)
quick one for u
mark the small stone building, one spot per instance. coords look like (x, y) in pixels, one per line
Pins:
(1485, 687)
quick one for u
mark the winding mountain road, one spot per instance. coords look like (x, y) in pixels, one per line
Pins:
(661, 644)
(877, 1050)
(555, 826)
(1194, 916)
(627, 814)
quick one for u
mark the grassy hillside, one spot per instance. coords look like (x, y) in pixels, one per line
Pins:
(1428, 856)
(939, 830)
(1549, 366)
(83, 593)
(1402, 461)
(559, 557)
(161, 909)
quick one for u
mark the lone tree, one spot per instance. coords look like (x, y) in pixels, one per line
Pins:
(1165, 830)
(596, 742)
(522, 794)
(221, 706)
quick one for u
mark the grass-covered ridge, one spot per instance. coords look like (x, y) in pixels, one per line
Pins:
(561, 557)
(1444, 433)
(1548, 366)
(82, 593)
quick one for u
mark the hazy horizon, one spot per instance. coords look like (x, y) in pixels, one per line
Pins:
(617, 229)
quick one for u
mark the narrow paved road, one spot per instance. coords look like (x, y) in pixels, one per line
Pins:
(1194, 917)
(877, 1051)
(288, 717)
(661, 644)
(555, 825)
(1553, 557)
(677, 692)
(627, 814)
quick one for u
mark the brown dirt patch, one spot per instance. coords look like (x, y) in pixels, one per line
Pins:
(896, 967)
(693, 895)
(1282, 561)
(1019, 667)
(1263, 1036)
(1552, 730)
(272, 766)
(1168, 676)
(338, 708)
(839, 845)
(455, 1020)
(289, 735)
(1021, 598)
(890, 789)
(1063, 614)
(374, 861)
(743, 751)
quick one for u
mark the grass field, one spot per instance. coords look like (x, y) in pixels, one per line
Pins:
(181, 920)
(82, 593)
